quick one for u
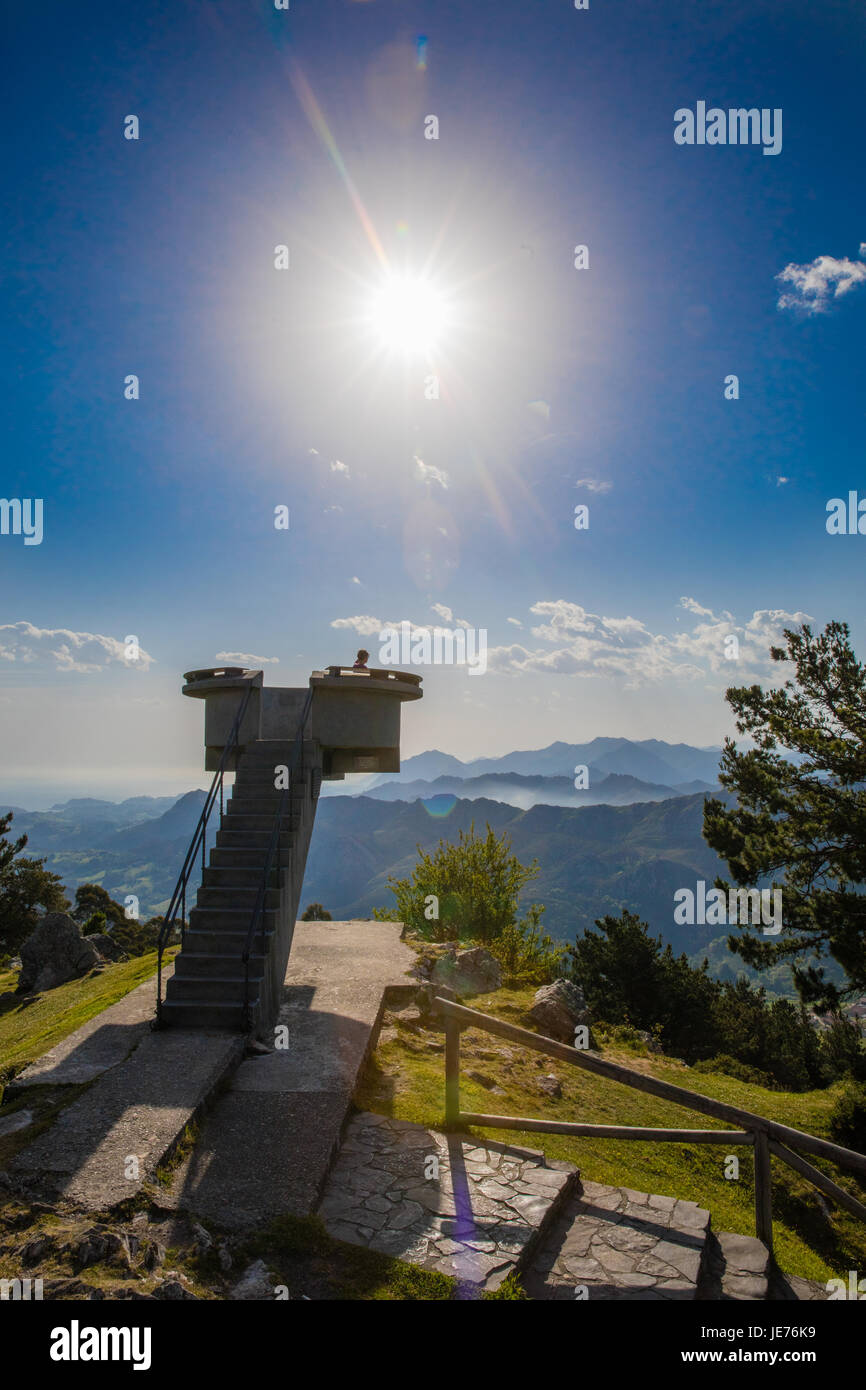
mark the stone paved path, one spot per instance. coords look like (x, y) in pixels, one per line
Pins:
(470, 1210)
(620, 1244)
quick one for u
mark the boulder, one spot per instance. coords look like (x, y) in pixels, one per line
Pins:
(425, 1000)
(101, 1246)
(106, 945)
(468, 972)
(54, 953)
(557, 1010)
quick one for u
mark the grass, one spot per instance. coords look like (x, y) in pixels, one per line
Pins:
(31, 1026)
(302, 1256)
(405, 1079)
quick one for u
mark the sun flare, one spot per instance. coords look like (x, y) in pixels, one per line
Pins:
(407, 315)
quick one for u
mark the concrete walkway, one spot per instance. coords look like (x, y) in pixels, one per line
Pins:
(267, 1145)
(102, 1042)
(106, 1145)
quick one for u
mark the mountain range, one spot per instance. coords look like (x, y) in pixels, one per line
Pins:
(648, 760)
(622, 842)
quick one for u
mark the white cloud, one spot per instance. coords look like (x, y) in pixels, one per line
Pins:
(594, 484)
(428, 473)
(84, 652)
(355, 579)
(337, 466)
(443, 611)
(588, 644)
(815, 284)
(780, 481)
(246, 659)
(364, 625)
(313, 451)
(515, 621)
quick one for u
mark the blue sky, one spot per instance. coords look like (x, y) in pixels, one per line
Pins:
(558, 386)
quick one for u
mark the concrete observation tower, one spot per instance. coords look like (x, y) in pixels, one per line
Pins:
(280, 743)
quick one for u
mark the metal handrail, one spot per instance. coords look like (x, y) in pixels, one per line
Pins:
(765, 1135)
(199, 837)
(258, 912)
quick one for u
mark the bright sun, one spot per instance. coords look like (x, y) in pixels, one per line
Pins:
(407, 314)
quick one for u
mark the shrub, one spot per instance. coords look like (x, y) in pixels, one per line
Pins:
(731, 1066)
(316, 913)
(527, 956)
(848, 1119)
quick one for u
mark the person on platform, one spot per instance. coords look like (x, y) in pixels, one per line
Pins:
(361, 660)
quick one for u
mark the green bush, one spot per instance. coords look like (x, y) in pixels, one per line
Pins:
(731, 1066)
(848, 1119)
(526, 955)
(843, 1052)
(468, 891)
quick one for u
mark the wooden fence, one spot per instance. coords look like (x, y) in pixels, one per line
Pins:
(765, 1136)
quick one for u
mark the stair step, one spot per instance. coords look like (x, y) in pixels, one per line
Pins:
(622, 1229)
(735, 1267)
(227, 919)
(233, 897)
(203, 941)
(199, 1014)
(210, 990)
(228, 857)
(215, 965)
(265, 800)
(237, 837)
(258, 821)
(233, 876)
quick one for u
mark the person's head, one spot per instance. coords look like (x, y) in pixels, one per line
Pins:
(362, 655)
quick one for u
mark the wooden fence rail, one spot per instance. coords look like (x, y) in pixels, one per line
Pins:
(764, 1135)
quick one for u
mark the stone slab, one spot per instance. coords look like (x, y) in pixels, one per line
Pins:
(104, 1041)
(133, 1110)
(268, 1143)
(618, 1244)
(467, 1209)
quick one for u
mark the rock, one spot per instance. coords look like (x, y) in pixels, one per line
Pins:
(468, 972)
(99, 1246)
(173, 1290)
(36, 1250)
(54, 953)
(255, 1283)
(225, 1259)
(107, 947)
(154, 1254)
(550, 1086)
(202, 1239)
(647, 1039)
(481, 1080)
(425, 999)
(557, 1010)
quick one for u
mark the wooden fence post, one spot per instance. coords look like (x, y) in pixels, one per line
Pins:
(452, 1071)
(763, 1190)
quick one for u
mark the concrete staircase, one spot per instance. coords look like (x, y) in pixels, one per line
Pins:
(207, 987)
